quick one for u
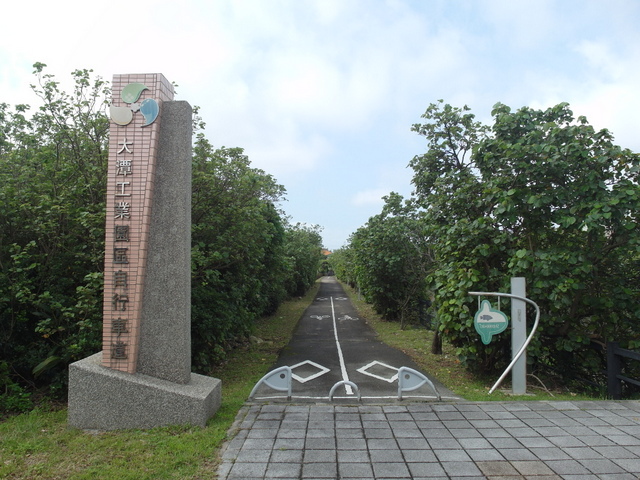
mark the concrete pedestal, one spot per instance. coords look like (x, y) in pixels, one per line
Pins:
(101, 398)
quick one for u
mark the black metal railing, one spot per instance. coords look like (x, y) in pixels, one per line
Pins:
(615, 367)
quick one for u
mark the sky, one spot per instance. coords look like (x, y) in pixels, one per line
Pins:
(322, 94)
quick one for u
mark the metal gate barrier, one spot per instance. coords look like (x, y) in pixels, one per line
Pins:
(281, 379)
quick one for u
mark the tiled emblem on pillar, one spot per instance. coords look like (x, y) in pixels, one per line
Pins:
(133, 144)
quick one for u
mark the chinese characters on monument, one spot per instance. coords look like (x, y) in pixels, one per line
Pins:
(132, 156)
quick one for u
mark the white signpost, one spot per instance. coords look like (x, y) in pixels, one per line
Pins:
(519, 339)
(518, 335)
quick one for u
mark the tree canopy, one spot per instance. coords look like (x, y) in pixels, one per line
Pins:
(390, 260)
(539, 194)
(246, 256)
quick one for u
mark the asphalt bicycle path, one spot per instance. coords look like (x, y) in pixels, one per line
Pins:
(382, 438)
(332, 345)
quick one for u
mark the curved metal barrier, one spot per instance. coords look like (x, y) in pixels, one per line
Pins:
(278, 379)
(527, 341)
(344, 382)
(281, 379)
(410, 379)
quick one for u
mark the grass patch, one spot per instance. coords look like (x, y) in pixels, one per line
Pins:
(416, 343)
(39, 444)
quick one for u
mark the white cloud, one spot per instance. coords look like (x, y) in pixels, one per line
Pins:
(369, 197)
(601, 59)
(605, 92)
(287, 156)
(329, 88)
(614, 107)
(522, 25)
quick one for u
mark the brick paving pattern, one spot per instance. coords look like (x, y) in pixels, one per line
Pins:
(499, 441)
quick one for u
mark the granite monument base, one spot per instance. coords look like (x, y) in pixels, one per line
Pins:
(101, 398)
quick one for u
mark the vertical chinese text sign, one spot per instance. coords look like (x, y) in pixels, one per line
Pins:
(133, 140)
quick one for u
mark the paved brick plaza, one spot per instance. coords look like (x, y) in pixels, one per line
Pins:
(506, 440)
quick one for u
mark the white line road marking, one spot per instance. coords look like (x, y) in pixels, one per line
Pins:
(391, 379)
(343, 367)
(322, 371)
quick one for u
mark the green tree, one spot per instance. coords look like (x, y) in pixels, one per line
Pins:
(52, 188)
(342, 263)
(392, 258)
(246, 257)
(238, 239)
(303, 253)
(539, 195)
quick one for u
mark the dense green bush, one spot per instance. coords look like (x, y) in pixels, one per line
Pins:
(52, 188)
(246, 258)
(541, 195)
(391, 258)
(544, 196)
(53, 164)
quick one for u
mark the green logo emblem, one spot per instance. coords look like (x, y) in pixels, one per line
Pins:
(131, 94)
(489, 322)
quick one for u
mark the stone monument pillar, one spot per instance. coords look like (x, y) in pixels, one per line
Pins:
(142, 378)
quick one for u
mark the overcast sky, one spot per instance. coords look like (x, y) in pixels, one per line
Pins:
(322, 93)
